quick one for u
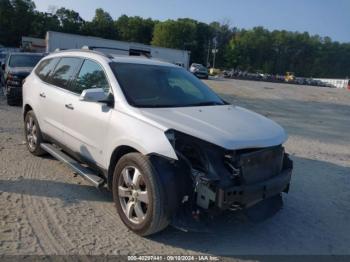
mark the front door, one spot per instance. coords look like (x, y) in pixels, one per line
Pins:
(86, 123)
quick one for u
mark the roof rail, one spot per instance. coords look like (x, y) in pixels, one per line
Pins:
(84, 49)
(92, 48)
(89, 49)
(103, 47)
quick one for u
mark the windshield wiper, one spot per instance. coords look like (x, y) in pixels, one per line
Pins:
(157, 106)
(207, 103)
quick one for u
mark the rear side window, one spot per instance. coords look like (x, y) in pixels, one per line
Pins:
(64, 71)
(45, 68)
(91, 75)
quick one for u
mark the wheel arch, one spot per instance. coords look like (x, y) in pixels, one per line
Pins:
(26, 109)
(117, 154)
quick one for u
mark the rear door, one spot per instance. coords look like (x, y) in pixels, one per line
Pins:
(86, 123)
(56, 78)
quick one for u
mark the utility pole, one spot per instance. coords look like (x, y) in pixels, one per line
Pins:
(214, 55)
(208, 64)
(214, 51)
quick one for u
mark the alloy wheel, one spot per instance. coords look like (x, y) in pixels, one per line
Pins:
(133, 194)
(31, 133)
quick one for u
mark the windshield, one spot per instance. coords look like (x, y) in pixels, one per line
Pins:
(24, 60)
(161, 86)
(199, 66)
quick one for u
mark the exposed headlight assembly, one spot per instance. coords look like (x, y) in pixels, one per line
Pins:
(192, 151)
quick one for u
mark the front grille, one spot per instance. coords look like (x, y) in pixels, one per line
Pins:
(261, 164)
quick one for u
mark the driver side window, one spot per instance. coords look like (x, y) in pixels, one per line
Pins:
(91, 75)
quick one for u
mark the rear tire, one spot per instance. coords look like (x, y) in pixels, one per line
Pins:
(33, 134)
(129, 197)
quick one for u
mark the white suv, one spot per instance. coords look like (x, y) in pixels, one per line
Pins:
(169, 148)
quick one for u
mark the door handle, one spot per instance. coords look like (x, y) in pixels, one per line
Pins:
(69, 106)
(42, 94)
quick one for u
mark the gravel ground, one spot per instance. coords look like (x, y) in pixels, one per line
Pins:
(45, 209)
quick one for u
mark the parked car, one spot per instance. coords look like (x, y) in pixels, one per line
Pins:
(2, 61)
(15, 69)
(162, 141)
(199, 71)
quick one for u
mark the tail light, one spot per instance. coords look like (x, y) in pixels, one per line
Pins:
(13, 80)
(10, 77)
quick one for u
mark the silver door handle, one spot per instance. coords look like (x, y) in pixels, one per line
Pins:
(69, 106)
(42, 94)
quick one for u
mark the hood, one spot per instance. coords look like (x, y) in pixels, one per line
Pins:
(20, 71)
(228, 126)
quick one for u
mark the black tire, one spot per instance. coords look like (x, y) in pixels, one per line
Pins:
(155, 219)
(13, 97)
(35, 150)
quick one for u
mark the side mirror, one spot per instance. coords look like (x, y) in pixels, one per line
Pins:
(96, 95)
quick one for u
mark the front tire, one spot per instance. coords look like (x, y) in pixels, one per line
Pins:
(138, 195)
(33, 134)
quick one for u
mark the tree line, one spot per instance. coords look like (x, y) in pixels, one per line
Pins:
(253, 50)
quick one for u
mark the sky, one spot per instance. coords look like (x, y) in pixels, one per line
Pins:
(323, 17)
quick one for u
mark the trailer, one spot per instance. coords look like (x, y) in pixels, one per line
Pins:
(62, 41)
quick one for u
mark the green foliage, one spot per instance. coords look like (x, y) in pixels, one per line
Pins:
(6, 12)
(185, 34)
(221, 34)
(16, 17)
(44, 22)
(178, 34)
(277, 52)
(258, 49)
(135, 29)
(204, 35)
(101, 25)
(70, 21)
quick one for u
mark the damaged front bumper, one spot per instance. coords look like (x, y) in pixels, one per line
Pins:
(247, 195)
(258, 175)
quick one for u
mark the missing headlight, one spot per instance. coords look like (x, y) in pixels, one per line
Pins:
(188, 149)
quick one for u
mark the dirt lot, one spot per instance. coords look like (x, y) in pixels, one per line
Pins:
(44, 209)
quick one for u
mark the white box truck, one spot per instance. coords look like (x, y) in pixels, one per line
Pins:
(58, 40)
(33, 44)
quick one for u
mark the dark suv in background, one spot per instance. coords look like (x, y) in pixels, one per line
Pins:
(15, 69)
(199, 71)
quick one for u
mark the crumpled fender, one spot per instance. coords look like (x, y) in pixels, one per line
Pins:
(175, 179)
